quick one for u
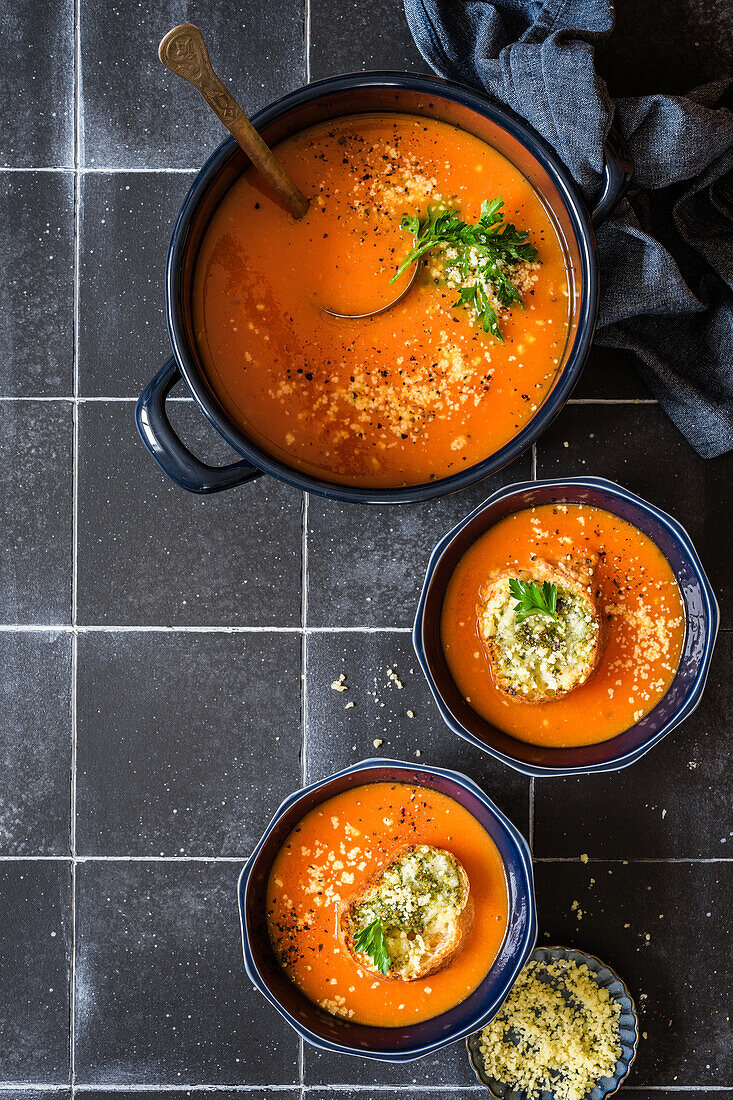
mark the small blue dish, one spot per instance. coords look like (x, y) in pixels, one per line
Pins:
(702, 618)
(628, 1030)
(388, 1044)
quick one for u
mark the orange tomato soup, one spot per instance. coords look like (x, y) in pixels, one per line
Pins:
(643, 624)
(414, 394)
(332, 853)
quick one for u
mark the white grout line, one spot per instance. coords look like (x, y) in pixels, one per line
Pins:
(69, 628)
(91, 170)
(162, 859)
(75, 534)
(91, 628)
(395, 1090)
(89, 400)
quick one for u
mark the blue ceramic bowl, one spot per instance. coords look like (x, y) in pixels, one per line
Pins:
(389, 1044)
(628, 1029)
(701, 617)
(325, 99)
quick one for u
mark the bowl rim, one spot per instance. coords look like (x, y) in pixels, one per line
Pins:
(588, 275)
(711, 612)
(524, 863)
(568, 952)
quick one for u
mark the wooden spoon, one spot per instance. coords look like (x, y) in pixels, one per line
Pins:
(184, 52)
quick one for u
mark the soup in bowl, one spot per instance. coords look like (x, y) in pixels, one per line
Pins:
(446, 387)
(565, 626)
(387, 910)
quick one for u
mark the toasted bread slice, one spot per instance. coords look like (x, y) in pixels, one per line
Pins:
(422, 900)
(541, 658)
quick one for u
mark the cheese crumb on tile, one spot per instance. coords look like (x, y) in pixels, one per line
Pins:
(557, 1031)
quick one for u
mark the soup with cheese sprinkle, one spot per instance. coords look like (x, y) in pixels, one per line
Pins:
(630, 598)
(432, 386)
(326, 863)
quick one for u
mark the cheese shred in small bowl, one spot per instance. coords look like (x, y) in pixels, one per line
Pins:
(557, 1031)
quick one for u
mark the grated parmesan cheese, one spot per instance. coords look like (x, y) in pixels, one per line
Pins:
(558, 1031)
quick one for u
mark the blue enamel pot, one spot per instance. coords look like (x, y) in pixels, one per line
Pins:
(389, 1044)
(702, 618)
(343, 95)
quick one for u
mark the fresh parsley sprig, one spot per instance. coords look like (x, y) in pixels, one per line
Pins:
(533, 600)
(370, 941)
(499, 247)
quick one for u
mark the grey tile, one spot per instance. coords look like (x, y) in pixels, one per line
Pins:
(35, 743)
(366, 565)
(222, 1093)
(337, 737)
(448, 1067)
(639, 447)
(665, 928)
(364, 1093)
(37, 84)
(125, 225)
(652, 809)
(35, 513)
(161, 992)
(37, 291)
(150, 553)
(35, 949)
(187, 743)
(610, 374)
(139, 115)
(59, 1093)
(351, 36)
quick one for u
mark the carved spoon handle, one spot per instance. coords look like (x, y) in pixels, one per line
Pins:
(184, 52)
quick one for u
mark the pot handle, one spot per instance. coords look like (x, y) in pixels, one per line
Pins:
(617, 172)
(172, 456)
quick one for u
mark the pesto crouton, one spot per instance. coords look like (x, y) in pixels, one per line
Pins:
(548, 652)
(421, 910)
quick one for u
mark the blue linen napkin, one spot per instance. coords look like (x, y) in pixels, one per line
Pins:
(667, 250)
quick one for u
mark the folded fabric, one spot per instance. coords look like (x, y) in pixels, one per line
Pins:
(667, 250)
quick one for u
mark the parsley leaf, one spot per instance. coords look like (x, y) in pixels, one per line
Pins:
(486, 251)
(370, 941)
(534, 600)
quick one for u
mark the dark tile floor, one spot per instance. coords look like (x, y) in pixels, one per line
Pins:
(152, 710)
